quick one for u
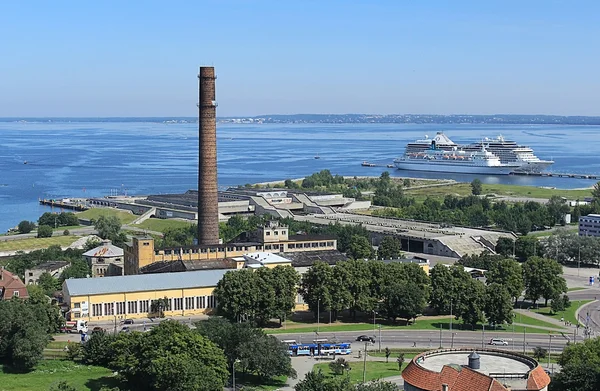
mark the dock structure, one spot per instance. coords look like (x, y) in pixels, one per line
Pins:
(557, 175)
(63, 205)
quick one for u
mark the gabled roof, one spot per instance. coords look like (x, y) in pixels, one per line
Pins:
(106, 250)
(538, 379)
(143, 282)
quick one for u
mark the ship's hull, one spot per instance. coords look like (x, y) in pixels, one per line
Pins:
(535, 167)
(452, 167)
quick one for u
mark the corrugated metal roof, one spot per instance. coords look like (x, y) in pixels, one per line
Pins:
(143, 282)
(106, 250)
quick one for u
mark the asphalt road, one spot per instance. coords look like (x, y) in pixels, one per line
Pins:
(431, 339)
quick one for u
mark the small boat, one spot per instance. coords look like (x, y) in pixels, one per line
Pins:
(317, 156)
(367, 164)
(390, 166)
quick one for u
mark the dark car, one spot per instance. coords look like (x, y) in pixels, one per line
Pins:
(365, 338)
(97, 329)
(128, 321)
(125, 329)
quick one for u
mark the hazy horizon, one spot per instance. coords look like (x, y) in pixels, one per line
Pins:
(140, 59)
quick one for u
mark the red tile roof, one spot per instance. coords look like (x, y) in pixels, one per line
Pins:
(9, 284)
(538, 379)
(464, 378)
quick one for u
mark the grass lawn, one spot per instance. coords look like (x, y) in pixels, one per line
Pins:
(577, 288)
(568, 314)
(161, 225)
(423, 323)
(37, 243)
(50, 372)
(255, 383)
(464, 189)
(375, 370)
(94, 213)
(528, 320)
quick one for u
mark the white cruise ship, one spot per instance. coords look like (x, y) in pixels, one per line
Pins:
(509, 152)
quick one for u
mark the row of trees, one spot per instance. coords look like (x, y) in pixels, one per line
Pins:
(171, 356)
(49, 220)
(539, 277)
(25, 329)
(257, 295)
(395, 290)
(568, 247)
(481, 211)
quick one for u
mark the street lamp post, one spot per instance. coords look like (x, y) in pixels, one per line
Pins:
(365, 364)
(379, 339)
(549, 348)
(524, 338)
(318, 313)
(233, 370)
(452, 342)
(482, 334)
(374, 313)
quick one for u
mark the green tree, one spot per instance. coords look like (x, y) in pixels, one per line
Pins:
(78, 269)
(23, 333)
(471, 302)
(377, 385)
(26, 227)
(509, 274)
(98, 349)
(317, 381)
(403, 299)
(44, 231)
(358, 284)
(237, 295)
(400, 360)
(266, 357)
(315, 287)
(476, 187)
(109, 227)
(389, 248)
(284, 280)
(48, 283)
(170, 357)
(580, 367)
(442, 289)
(339, 366)
(498, 304)
(543, 278)
(539, 353)
(360, 248)
(505, 246)
(50, 219)
(159, 306)
(526, 247)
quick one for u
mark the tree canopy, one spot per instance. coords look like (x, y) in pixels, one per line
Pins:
(543, 278)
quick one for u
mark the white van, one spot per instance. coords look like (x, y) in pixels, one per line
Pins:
(498, 341)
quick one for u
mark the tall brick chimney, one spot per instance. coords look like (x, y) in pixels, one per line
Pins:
(208, 203)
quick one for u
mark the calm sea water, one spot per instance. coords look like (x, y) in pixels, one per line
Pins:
(72, 159)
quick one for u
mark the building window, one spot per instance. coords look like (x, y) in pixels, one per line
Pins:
(268, 233)
(283, 232)
(96, 309)
(178, 304)
(211, 302)
(189, 303)
(120, 308)
(306, 245)
(15, 293)
(76, 305)
(267, 247)
(200, 302)
(144, 306)
(145, 244)
(276, 233)
(132, 307)
(109, 309)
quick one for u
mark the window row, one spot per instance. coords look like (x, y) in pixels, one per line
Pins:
(145, 306)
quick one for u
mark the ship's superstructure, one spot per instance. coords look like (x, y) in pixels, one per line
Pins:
(516, 158)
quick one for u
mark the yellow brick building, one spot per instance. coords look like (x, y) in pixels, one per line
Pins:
(272, 238)
(130, 297)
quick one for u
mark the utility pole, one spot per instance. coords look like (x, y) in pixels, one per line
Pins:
(318, 313)
(450, 315)
(549, 348)
(379, 339)
(524, 338)
(365, 364)
(482, 334)
(578, 259)
(441, 336)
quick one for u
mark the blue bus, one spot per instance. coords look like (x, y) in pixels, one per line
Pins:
(317, 348)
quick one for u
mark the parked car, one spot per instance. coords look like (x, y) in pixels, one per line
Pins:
(128, 321)
(365, 338)
(498, 341)
(125, 329)
(97, 329)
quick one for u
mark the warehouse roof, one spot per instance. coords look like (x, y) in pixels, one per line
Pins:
(142, 282)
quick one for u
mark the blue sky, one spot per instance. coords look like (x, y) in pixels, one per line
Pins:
(134, 58)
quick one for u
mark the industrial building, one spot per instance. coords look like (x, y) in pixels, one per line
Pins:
(589, 225)
(53, 268)
(272, 238)
(420, 237)
(105, 260)
(466, 370)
